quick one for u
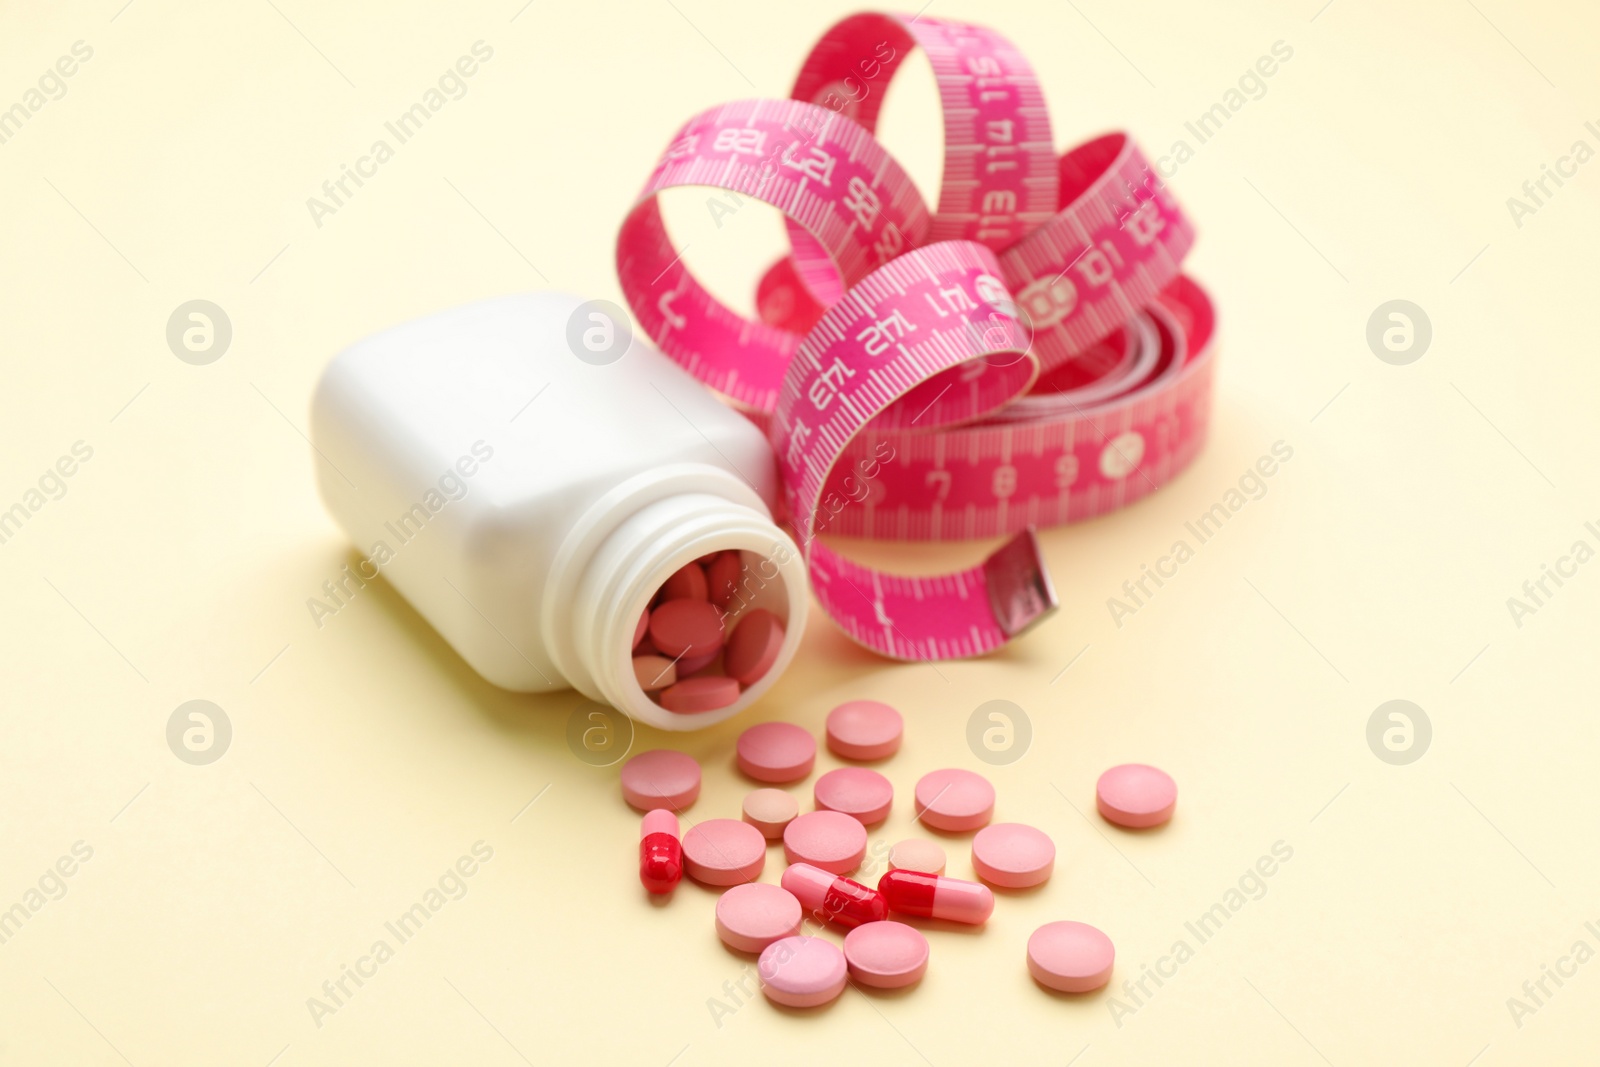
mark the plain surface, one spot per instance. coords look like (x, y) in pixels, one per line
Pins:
(366, 759)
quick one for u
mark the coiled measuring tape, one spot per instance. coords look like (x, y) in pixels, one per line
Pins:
(1027, 354)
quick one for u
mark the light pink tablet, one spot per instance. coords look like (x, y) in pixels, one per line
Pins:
(754, 915)
(801, 972)
(828, 839)
(1071, 957)
(753, 647)
(1136, 795)
(776, 752)
(864, 730)
(770, 810)
(654, 672)
(686, 627)
(1012, 855)
(887, 954)
(856, 791)
(699, 694)
(724, 852)
(660, 778)
(917, 854)
(954, 800)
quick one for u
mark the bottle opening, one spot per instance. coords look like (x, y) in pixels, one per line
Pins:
(713, 630)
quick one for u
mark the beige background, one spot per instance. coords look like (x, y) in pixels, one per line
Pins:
(366, 758)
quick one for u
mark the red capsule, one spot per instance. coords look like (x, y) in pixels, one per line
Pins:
(933, 896)
(831, 898)
(660, 852)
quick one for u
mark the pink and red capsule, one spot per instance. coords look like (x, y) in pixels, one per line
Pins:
(933, 896)
(660, 851)
(834, 898)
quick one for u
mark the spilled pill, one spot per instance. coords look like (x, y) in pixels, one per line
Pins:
(864, 730)
(1136, 795)
(856, 791)
(934, 896)
(776, 752)
(724, 852)
(801, 972)
(828, 839)
(660, 853)
(660, 778)
(754, 915)
(1071, 957)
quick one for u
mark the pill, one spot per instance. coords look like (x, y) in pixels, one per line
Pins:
(776, 752)
(1071, 957)
(640, 630)
(660, 778)
(686, 627)
(770, 810)
(827, 839)
(700, 694)
(654, 672)
(1136, 795)
(722, 578)
(864, 730)
(686, 583)
(753, 646)
(801, 972)
(754, 915)
(917, 854)
(1012, 855)
(688, 665)
(724, 852)
(954, 800)
(888, 955)
(833, 898)
(660, 853)
(856, 791)
(934, 896)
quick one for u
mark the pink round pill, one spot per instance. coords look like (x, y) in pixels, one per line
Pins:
(686, 627)
(1012, 855)
(954, 800)
(654, 672)
(917, 854)
(864, 730)
(802, 972)
(754, 915)
(724, 852)
(1136, 795)
(660, 778)
(770, 810)
(753, 646)
(1070, 957)
(687, 583)
(857, 791)
(699, 694)
(886, 954)
(776, 752)
(722, 577)
(828, 839)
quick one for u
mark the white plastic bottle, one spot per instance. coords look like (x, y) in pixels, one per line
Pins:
(527, 478)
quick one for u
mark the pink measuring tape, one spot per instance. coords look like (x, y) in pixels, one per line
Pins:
(1027, 354)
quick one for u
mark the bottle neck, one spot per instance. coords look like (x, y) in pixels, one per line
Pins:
(628, 551)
